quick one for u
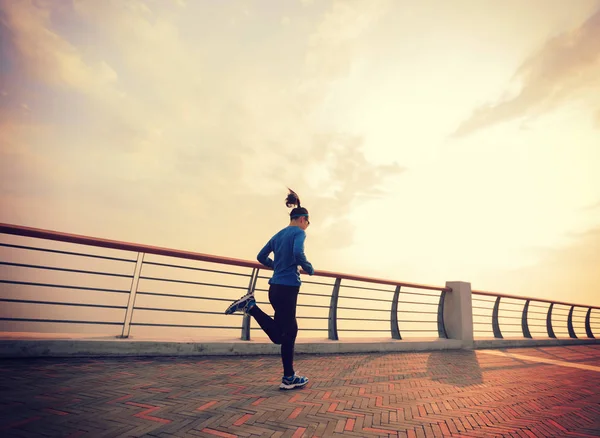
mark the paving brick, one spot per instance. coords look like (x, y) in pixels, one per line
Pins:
(431, 394)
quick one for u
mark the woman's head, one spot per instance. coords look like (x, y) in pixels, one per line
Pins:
(299, 215)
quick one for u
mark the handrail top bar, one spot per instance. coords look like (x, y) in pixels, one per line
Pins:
(39, 233)
(539, 300)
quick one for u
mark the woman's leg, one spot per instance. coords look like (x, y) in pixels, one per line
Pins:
(269, 326)
(284, 300)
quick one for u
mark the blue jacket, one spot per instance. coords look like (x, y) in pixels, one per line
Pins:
(288, 246)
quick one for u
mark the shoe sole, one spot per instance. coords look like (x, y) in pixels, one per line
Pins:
(236, 303)
(292, 386)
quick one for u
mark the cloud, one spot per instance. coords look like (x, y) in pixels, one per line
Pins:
(43, 54)
(570, 272)
(566, 67)
(138, 119)
(333, 44)
(592, 206)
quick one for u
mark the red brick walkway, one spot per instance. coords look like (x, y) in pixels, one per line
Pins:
(454, 393)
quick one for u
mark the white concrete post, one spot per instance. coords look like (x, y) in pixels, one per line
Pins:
(458, 313)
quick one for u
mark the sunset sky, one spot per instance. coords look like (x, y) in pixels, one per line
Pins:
(430, 141)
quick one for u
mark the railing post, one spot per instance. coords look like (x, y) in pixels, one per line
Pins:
(495, 322)
(248, 318)
(524, 324)
(572, 334)
(588, 326)
(457, 313)
(132, 293)
(549, 328)
(440, 317)
(332, 329)
(394, 316)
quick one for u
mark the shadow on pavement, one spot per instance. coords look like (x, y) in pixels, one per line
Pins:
(459, 368)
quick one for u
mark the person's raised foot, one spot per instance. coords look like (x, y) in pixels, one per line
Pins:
(242, 305)
(292, 382)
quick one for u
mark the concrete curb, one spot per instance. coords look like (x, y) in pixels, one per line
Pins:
(22, 348)
(515, 343)
(115, 347)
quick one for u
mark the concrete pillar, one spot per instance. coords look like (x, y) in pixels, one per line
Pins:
(458, 313)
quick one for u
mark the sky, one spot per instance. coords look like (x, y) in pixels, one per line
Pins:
(431, 141)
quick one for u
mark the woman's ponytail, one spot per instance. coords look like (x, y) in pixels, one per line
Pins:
(293, 200)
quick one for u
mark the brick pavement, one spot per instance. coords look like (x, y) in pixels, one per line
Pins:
(430, 394)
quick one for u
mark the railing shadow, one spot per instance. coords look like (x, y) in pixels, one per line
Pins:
(459, 368)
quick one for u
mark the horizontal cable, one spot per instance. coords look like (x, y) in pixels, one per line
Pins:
(55, 251)
(414, 311)
(192, 268)
(315, 295)
(403, 292)
(419, 331)
(312, 317)
(510, 310)
(158, 294)
(95, 289)
(420, 304)
(474, 297)
(539, 307)
(156, 309)
(358, 308)
(504, 304)
(149, 324)
(51, 268)
(310, 305)
(299, 305)
(58, 303)
(362, 319)
(365, 298)
(196, 283)
(363, 330)
(382, 330)
(66, 321)
(311, 282)
(305, 329)
(365, 288)
(303, 282)
(385, 320)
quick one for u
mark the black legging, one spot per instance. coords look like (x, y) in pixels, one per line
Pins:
(283, 328)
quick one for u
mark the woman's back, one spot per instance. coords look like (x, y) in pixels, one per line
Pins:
(288, 247)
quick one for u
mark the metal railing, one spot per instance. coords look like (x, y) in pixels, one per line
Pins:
(134, 284)
(524, 315)
(50, 279)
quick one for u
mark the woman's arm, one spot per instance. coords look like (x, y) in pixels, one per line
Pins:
(299, 253)
(263, 255)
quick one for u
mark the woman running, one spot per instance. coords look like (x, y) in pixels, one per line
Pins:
(284, 286)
